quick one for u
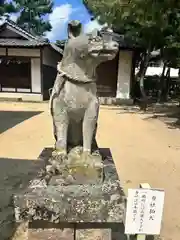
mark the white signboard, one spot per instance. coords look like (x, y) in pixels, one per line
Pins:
(144, 211)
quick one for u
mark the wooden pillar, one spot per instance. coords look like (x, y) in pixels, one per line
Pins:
(36, 75)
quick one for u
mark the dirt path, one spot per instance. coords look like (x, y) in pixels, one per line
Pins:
(143, 150)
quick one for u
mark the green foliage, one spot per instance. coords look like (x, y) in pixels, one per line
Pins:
(7, 8)
(32, 13)
(61, 43)
(152, 24)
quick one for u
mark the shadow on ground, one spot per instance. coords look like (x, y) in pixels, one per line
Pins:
(15, 175)
(169, 113)
(9, 119)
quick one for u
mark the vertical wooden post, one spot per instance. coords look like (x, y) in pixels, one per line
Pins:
(141, 236)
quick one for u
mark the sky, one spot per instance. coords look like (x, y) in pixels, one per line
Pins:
(63, 12)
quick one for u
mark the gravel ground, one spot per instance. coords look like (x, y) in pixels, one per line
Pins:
(144, 147)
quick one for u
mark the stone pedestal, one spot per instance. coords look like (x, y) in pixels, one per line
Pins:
(90, 206)
(78, 168)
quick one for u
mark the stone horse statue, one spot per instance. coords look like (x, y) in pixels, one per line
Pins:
(74, 103)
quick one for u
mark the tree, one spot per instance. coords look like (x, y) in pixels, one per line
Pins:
(170, 49)
(150, 24)
(6, 8)
(171, 59)
(32, 13)
(61, 43)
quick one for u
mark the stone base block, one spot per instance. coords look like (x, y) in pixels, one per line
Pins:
(72, 203)
(21, 231)
(78, 168)
(39, 230)
(104, 202)
(60, 233)
(91, 234)
(100, 231)
(77, 204)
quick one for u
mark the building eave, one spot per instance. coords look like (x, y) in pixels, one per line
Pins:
(31, 40)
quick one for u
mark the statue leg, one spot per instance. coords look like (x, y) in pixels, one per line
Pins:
(54, 131)
(61, 121)
(94, 142)
(90, 124)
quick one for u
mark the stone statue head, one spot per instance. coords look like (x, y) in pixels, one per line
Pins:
(74, 28)
(102, 46)
(94, 45)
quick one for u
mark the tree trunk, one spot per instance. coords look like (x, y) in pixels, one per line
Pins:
(140, 79)
(166, 89)
(161, 83)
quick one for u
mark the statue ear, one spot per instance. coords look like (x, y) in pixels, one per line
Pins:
(74, 29)
(69, 30)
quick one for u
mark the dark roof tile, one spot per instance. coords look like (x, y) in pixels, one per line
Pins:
(32, 41)
(21, 43)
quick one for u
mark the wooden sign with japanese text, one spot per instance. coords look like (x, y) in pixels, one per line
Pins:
(144, 211)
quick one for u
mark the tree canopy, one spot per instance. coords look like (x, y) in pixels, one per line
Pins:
(6, 8)
(32, 13)
(61, 43)
(152, 24)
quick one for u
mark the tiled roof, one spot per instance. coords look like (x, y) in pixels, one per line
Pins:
(55, 47)
(21, 30)
(21, 43)
(31, 40)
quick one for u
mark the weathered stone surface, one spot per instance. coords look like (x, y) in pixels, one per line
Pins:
(16, 177)
(74, 103)
(103, 202)
(52, 234)
(78, 168)
(39, 230)
(92, 234)
(21, 231)
(45, 154)
(77, 186)
(100, 231)
(73, 203)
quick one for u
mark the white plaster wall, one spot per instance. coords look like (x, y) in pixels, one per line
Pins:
(36, 75)
(24, 52)
(50, 57)
(23, 96)
(2, 51)
(157, 71)
(124, 74)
